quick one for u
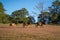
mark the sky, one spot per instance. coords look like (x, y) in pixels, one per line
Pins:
(30, 5)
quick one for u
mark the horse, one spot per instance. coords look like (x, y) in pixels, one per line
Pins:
(12, 24)
(41, 23)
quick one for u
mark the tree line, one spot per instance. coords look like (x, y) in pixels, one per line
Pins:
(22, 15)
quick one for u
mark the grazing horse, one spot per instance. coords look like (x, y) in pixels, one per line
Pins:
(41, 23)
(36, 24)
(25, 24)
(12, 24)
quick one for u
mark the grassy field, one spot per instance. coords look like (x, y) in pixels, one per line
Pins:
(47, 32)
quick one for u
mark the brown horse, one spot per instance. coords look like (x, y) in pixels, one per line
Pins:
(25, 24)
(12, 24)
(39, 24)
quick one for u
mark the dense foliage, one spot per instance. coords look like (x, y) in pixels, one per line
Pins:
(54, 12)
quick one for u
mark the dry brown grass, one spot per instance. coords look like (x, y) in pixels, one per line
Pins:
(47, 32)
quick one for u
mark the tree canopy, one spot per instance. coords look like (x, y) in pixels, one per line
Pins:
(21, 15)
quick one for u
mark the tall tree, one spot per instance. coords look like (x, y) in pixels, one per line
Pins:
(20, 15)
(4, 18)
(54, 10)
(1, 8)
